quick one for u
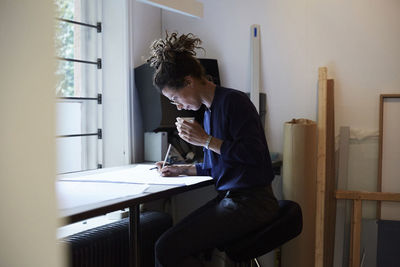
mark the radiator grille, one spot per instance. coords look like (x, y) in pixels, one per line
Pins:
(108, 245)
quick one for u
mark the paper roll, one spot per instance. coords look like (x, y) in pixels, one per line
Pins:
(299, 184)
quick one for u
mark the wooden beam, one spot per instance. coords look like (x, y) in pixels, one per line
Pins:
(379, 182)
(363, 195)
(355, 237)
(380, 150)
(321, 167)
(330, 177)
(390, 95)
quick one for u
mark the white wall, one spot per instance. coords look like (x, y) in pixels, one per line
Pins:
(145, 29)
(27, 136)
(115, 52)
(357, 40)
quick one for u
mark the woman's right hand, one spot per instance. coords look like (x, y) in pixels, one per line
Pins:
(169, 170)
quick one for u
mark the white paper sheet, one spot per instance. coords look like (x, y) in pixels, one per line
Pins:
(139, 174)
(72, 194)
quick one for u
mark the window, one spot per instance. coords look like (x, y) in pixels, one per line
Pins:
(79, 86)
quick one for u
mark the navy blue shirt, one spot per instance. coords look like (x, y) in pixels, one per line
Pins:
(244, 160)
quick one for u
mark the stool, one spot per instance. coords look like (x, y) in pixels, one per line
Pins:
(285, 227)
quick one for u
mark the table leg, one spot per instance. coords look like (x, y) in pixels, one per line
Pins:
(134, 233)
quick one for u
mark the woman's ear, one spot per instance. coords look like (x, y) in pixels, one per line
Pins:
(189, 81)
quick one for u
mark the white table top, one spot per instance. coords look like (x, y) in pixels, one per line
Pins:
(86, 194)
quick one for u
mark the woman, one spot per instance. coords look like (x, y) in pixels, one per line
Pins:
(235, 154)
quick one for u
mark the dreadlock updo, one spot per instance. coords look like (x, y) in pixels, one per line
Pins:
(173, 58)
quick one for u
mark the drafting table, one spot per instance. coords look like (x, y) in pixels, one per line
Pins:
(88, 194)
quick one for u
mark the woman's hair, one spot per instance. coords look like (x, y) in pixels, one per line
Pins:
(173, 58)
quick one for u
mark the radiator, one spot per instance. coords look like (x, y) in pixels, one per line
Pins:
(108, 245)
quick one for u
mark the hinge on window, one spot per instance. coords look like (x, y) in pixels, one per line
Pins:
(98, 26)
(99, 166)
(99, 134)
(99, 99)
(99, 65)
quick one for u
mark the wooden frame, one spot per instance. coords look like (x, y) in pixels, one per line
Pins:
(380, 158)
(356, 216)
(325, 199)
(321, 167)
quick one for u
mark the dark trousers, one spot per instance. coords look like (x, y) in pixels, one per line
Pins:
(220, 221)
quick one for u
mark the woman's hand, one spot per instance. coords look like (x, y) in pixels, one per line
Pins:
(191, 132)
(175, 170)
(169, 170)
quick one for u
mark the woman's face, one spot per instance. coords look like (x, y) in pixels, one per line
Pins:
(184, 98)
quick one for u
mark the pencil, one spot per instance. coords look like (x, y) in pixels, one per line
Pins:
(166, 156)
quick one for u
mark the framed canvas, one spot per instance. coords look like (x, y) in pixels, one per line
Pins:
(389, 154)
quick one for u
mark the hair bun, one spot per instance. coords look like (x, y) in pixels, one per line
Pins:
(166, 50)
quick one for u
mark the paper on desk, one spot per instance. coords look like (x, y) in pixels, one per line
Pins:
(140, 174)
(72, 194)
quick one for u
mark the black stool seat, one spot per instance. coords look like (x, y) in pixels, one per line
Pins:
(286, 226)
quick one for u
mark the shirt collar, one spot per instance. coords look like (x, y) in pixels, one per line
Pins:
(215, 99)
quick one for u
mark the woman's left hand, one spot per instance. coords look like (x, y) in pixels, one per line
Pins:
(192, 132)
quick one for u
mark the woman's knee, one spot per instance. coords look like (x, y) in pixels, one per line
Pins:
(166, 252)
(160, 250)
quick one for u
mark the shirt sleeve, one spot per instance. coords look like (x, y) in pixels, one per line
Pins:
(247, 144)
(201, 171)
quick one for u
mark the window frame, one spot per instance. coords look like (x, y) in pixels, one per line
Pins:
(89, 152)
